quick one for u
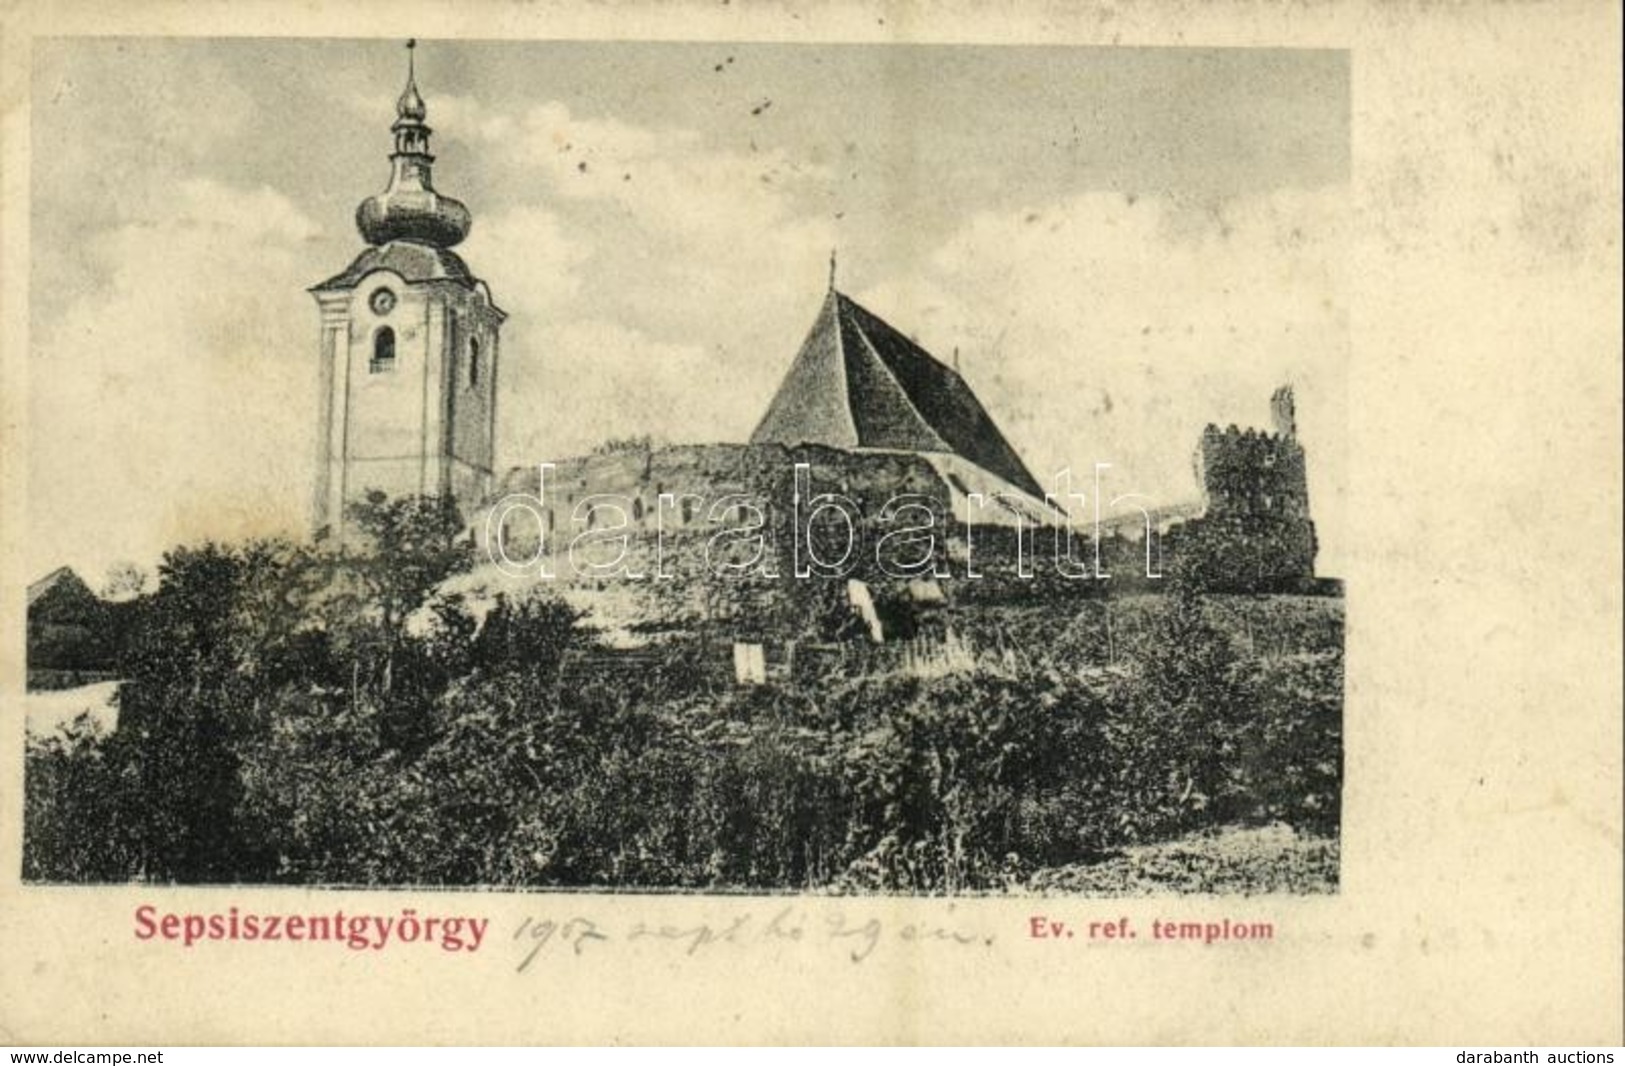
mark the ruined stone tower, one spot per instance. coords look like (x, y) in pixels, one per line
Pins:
(1255, 531)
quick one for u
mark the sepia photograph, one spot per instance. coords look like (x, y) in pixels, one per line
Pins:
(645, 467)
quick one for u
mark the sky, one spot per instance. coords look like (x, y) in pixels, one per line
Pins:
(1122, 245)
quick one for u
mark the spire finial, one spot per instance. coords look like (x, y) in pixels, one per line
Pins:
(832, 270)
(410, 105)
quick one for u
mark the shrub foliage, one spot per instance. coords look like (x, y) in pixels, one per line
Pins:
(293, 716)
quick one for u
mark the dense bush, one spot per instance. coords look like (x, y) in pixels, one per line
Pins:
(300, 717)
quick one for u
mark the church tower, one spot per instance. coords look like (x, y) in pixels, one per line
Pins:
(409, 346)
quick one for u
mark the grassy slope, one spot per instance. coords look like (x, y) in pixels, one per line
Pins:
(1231, 861)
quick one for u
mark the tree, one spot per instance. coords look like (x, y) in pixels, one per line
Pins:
(124, 581)
(411, 544)
(408, 546)
(1187, 711)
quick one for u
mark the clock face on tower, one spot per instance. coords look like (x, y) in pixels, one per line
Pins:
(382, 302)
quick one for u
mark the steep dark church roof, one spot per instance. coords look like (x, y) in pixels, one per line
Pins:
(859, 383)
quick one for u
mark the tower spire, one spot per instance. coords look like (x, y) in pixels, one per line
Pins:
(410, 107)
(410, 209)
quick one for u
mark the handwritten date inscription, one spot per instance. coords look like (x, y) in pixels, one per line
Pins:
(859, 938)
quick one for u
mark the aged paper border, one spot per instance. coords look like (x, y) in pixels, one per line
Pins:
(1481, 899)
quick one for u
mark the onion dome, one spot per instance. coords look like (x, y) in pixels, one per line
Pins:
(410, 209)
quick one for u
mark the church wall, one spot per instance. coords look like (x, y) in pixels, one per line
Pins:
(701, 479)
(388, 404)
(471, 400)
(1254, 532)
(416, 424)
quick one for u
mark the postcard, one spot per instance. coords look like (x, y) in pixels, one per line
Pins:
(815, 523)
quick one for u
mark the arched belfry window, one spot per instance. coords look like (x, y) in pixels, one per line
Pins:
(383, 351)
(473, 361)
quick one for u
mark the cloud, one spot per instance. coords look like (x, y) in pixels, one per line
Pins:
(658, 284)
(1098, 327)
(597, 380)
(172, 399)
(668, 178)
(527, 242)
(680, 234)
(1111, 328)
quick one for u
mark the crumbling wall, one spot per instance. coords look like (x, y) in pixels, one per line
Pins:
(1252, 532)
